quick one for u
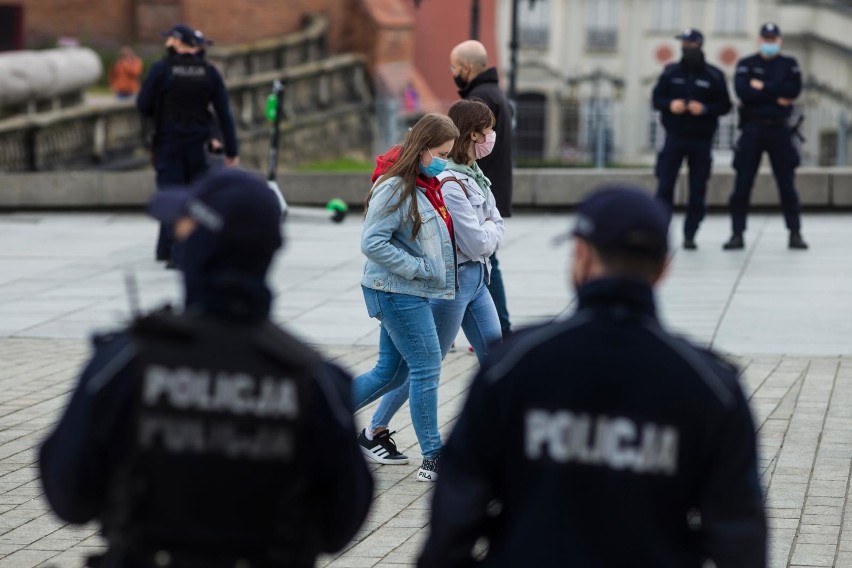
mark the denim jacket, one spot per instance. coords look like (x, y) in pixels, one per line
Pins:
(477, 224)
(424, 266)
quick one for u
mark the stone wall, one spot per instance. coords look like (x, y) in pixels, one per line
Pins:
(820, 188)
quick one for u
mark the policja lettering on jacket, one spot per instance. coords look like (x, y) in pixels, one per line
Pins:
(614, 442)
(237, 393)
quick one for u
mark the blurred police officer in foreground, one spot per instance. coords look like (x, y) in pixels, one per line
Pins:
(189, 435)
(176, 96)
(691, 95)
(602, 440)
(766, 84)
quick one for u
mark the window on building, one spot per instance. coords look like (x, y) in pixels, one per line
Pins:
(730, 16)
(534, 23)
(602, 25)
(665, 15)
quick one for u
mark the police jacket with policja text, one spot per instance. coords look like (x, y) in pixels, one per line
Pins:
(601, 440)
(177, 94)
(192, 435)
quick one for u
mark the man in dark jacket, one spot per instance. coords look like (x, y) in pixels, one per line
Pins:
(176, 97)
(602, 440)
(766, 83)
(475, 79)
(189, 436)
(691, 95)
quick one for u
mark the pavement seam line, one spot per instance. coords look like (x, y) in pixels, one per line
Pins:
(749, 255)
(813, 463)
(848, 477)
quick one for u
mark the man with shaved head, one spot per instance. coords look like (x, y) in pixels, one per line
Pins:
(476, 80)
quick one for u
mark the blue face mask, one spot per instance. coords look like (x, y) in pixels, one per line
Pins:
(436, 166)
(770, 49)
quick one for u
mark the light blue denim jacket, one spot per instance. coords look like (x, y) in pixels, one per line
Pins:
(424, 266)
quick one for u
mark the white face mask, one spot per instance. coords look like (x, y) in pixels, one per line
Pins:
(482, 149)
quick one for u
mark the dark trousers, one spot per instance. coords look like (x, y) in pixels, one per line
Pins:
(178, 160)
(498, 294)
(784, 158)
(699, 160)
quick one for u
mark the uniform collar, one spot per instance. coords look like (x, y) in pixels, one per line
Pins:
(631, 294)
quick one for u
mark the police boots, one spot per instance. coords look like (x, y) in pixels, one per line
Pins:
(736, 242)
(796, 241)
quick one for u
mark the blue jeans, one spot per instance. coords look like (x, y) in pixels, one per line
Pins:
(498, 294)
(408, 339)
(473, 311)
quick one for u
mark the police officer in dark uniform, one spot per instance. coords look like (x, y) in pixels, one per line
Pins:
(176, 97)
(766, 84)
(691, 95)
(602, 440)
(190, 436)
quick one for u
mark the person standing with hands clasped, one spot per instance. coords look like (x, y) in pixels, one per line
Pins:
(478, 232)
(691, 95)
(603, 426)
(408, 241)
(767, 83)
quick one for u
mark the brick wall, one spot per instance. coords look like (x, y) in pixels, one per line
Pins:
(113, 22)
(94, 22)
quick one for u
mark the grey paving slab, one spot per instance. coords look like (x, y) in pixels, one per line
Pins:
(782, 316)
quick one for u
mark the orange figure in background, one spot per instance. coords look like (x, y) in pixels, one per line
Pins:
(125, 73)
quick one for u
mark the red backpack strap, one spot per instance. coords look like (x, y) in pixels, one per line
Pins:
(458, 181)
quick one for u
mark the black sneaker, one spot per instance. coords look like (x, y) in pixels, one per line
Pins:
(796, 241)
(381, 449)
(736, 242)
(689, 243)
(429, 470)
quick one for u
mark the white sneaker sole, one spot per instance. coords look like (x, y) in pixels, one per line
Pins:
(384, 461)
(427, 476)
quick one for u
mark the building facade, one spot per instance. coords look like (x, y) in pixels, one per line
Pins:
(587, 67)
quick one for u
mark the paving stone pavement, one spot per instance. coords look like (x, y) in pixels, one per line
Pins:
(783, 317)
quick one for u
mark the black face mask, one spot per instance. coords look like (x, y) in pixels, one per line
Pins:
(171, 51)
(693, 57)
(460, 83)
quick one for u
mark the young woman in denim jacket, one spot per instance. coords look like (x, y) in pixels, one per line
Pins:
(478, 231)
(407, 239)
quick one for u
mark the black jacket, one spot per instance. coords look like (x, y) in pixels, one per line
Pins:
(84, 461)
(781, 77)
(159, 83)
(705, 84)
(497, 166)
(588, 442)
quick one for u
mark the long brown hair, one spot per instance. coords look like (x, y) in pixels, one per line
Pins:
(430, 131)
(469, 116)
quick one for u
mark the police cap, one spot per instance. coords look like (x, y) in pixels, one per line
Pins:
(770, 29)
(187, 35)
(236, 207)
(622, 218)
(692, 35)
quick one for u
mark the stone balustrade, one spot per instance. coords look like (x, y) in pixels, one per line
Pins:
(333, 93)
(266, 55)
